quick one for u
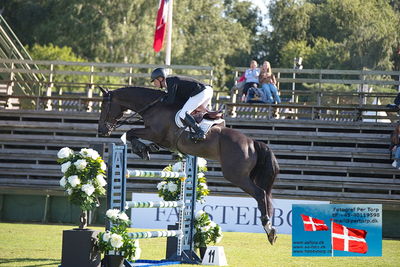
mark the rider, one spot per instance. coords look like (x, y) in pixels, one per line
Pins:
(188, 90)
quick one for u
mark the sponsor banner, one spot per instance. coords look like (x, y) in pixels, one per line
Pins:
(337, 230)
(233, 214)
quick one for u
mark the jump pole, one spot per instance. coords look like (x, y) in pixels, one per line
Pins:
(116, 199)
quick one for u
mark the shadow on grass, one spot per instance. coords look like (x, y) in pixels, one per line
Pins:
(26, 261)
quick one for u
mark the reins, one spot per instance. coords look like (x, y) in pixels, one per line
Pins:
(140, 112)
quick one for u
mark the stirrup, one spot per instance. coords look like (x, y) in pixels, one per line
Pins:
(198, 136)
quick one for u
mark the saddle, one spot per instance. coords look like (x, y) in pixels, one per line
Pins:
(199, 115)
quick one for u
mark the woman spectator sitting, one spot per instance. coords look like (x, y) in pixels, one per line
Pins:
(395, 146)
(268, 83)
(251, 76)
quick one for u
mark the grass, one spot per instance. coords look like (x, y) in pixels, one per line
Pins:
(40, 245)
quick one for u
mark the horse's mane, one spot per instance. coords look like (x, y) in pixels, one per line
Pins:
(143, 92)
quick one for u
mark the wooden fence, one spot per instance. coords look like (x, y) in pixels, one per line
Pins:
(59, 77)
(313, 86)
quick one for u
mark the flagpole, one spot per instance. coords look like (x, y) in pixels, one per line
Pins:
(169, 35)
(332, 237)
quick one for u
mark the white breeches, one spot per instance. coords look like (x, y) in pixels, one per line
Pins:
(202, 98)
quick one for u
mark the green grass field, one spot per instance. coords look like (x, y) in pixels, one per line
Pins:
(40, 245)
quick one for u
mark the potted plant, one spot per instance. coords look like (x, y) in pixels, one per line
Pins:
(205, 232)
(84, 182)
(116, 243)
(83, 179)
(169, 189)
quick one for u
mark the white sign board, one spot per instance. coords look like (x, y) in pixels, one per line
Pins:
(233, 214)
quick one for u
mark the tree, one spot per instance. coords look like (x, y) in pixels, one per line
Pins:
(361, 36)
(204, 32)
(209, 36)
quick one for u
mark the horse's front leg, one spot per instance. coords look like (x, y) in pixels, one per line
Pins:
(138, 147)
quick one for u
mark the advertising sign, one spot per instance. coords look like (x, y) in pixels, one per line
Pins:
(233, 214)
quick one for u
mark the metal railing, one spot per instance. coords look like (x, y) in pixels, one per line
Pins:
(11, 48)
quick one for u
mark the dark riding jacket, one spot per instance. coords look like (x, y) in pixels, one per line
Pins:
(180, 88)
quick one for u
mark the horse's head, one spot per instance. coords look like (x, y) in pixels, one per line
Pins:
(111, 111)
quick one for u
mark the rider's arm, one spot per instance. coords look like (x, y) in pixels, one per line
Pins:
(172, 87)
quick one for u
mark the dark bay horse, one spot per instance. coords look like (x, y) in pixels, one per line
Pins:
(246, 163)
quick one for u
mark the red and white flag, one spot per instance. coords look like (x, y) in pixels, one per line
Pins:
(161, 24)
(312, 224)
(348, 239)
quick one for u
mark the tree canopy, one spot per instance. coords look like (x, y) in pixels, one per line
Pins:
(334, 34)
(342, 34)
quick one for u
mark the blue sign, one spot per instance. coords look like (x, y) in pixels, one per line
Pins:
(337, 230)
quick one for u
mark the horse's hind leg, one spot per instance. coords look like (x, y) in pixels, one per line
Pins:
(259, 194)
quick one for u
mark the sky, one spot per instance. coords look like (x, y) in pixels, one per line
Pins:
(263, 5)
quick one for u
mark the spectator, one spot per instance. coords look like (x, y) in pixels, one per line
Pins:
(395, 146)
(251, 76)
(396, 104)
(268, 84)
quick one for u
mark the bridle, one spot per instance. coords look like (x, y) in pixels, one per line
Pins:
(114, 125)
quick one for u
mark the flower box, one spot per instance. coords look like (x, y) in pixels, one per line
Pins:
(79, 249)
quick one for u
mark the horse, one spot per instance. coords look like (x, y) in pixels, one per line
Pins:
(248, 164)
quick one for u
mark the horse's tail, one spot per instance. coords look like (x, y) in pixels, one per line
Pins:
(265, 171)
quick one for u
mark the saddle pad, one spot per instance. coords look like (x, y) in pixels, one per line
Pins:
(205, 124)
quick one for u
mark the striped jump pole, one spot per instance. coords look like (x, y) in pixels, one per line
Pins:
(162, 174)
(155, 234)
(154, 204)
(116, 199)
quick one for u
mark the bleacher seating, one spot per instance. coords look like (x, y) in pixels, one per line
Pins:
(326, 160)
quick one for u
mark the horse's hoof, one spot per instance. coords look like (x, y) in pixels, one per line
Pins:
(153, 147)
(272, 236)
(145, 155)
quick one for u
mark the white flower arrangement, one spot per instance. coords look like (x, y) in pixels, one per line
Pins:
(117, 239)
(170, 188)
(205, 230)
(83, 178)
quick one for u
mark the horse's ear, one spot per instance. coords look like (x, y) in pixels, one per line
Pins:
(104, 91)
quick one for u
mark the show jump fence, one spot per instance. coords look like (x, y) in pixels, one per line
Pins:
(116, 199)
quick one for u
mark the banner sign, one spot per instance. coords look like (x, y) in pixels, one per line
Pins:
(233, 214)
(337, 230)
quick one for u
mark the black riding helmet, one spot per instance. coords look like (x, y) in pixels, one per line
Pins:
(159, 72)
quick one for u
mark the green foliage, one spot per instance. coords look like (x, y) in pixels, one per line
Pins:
(206, 37)
(123, 31)
(169, 189)
(53, 52)
(324, 54)
(205, 230)
(335, 34)
(342, 34)
(56, 53)
(118, 239)
(83, 177)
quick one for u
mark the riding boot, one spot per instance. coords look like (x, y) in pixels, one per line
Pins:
(198, 134)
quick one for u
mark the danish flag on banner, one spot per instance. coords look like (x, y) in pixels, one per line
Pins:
(161, 24)
(312, 224)
(349, 239)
